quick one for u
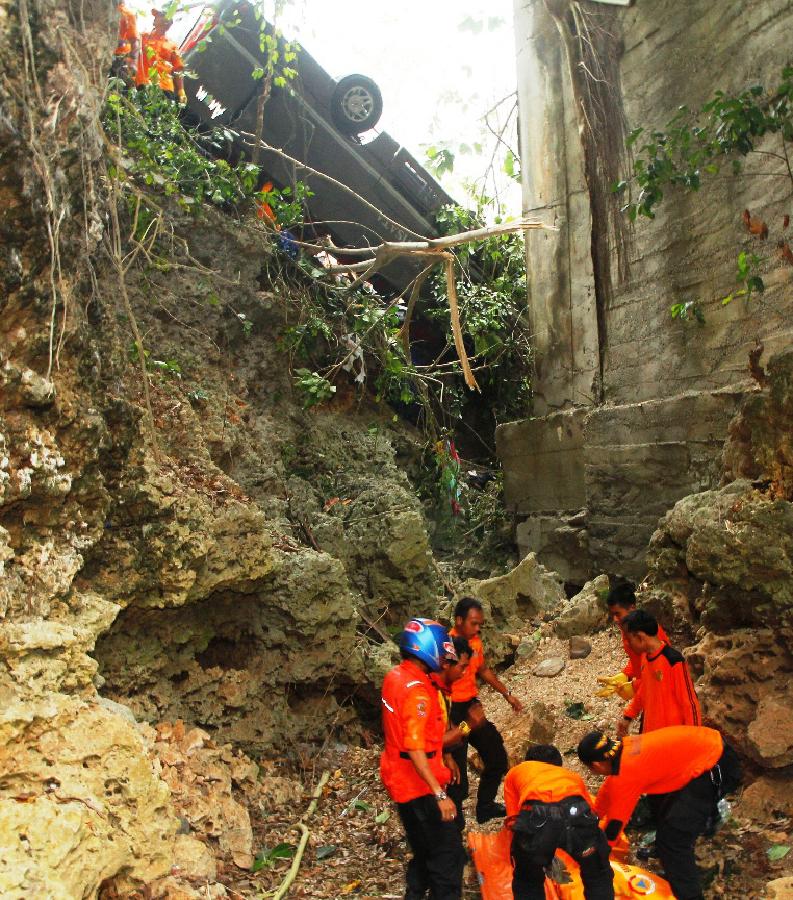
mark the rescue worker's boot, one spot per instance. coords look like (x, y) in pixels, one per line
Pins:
(490, 810)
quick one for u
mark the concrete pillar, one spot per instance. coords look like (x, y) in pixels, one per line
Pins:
(560, 278)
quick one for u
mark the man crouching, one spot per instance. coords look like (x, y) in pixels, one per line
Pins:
(549, 808)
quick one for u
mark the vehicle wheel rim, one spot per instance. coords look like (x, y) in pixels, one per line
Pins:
(357, 104)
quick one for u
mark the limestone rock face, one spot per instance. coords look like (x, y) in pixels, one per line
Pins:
(744, 690)
(586, 612)
(511, 601)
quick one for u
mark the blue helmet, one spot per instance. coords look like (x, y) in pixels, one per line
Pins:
(428, 641)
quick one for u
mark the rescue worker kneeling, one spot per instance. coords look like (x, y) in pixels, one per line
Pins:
(412, 766)
(549, 808)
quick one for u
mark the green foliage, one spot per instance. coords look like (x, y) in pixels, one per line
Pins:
(492, 299)
(314, 387)
(266, 859)
(688, 311)
(158, 152)
(698, 144)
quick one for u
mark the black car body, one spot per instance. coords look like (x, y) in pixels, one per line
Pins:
(314, 119)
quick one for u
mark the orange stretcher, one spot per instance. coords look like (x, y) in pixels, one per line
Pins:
(490, 853)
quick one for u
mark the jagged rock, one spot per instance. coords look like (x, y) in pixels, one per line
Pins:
(586, 612)
(771, 733)
(550, 668)
(510, 601)
(767, 798)
(780, 889)
(732, 550)
(528, 646)
(580, 648)
(742, 677)
(760, 443)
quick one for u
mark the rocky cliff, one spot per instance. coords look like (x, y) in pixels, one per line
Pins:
(169, 545)
(721, 567)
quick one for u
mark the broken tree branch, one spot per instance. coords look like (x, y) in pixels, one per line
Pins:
(283, 890)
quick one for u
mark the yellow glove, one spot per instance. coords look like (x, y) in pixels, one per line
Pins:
(182, 98)
(615, 684)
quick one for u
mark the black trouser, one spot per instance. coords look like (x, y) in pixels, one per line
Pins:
(682, 817)
(569, 825)
(438, 856)
(487, 741)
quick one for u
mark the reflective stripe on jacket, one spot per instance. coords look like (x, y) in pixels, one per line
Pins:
(412, 720)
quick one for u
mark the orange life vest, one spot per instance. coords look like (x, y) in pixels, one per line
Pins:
(161, 55)
(466, 688)
(542, 782)
(127, 31)
(412, 720)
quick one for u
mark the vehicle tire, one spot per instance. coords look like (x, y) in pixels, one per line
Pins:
(356, 105)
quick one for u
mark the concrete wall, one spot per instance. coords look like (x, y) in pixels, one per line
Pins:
(648, 428)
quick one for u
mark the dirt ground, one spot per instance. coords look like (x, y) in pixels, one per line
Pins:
(356, 846)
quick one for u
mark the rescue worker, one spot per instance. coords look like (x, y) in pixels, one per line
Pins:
(666, 694)
(453, 670)
(621, 600)
(549, 807)
(125, 56)
(468, 621)
(412, 766)
(160, 60)
(686, 768)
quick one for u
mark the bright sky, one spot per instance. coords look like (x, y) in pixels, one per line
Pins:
(440, 67)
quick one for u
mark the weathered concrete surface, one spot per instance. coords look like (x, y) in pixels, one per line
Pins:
(590, 485)
(669, 388)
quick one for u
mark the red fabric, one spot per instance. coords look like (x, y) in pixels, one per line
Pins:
(666, 694)
(634, 667)
(543, 782)
(465, 688)
(656, 762)
(412, 720)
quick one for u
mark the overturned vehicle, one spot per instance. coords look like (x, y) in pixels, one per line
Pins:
(324, 125)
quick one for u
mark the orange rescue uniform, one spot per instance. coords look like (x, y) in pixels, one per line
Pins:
(127, 31)
(465, 688)
(412, 720)
(657, 762)
(161, 55)
(542, 782)
(633, 670)
(666, 693)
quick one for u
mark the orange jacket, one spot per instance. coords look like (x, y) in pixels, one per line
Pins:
(127, 30)
(543, 782)
(657, 762)
(412, 720)
(466, 688)
(634, 667)
(666, 693)
(161, 55)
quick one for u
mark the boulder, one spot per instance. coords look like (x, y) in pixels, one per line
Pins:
(512, 601)
(579, 647)
(528, 646)
(550, 667)
(780, 889)
(767, 798)
(771, 733)
(586, 612)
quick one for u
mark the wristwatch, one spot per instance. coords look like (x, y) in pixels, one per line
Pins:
(441, 795)
(465, 728)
